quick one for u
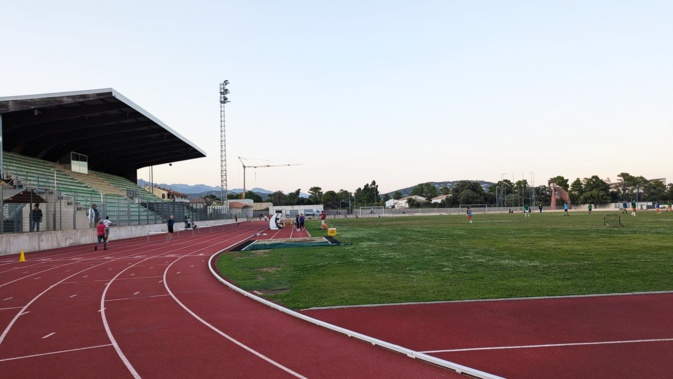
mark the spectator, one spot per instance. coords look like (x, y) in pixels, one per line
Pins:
(35, 218)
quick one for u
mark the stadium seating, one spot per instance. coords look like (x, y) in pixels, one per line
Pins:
(120, 199)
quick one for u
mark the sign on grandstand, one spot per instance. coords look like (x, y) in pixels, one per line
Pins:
(79, 163)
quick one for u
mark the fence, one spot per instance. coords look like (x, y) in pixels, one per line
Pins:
(69, 211)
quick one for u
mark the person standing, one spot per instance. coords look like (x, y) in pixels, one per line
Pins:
(296, 222)
(469, 214)
(93, 215)
(107, 224)
(100, 233)
(526, 211)
(322, 220)
(624, 206)
(668, 207)
(170, 223)
(590, 208)
(565, 209)
(301, 222)
(657, 206)
(540, 208)
(633, 208)
(35, 218)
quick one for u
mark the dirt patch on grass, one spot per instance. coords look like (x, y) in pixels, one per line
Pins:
(268, 269)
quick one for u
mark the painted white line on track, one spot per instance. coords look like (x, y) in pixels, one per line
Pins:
(9, 308)
(53, 352)
(24, 313)
(549, 345)
(225, 335)
(71, 296)
(48, 335)
(135, 293)
(9, 298)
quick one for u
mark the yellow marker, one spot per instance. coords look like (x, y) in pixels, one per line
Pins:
(22, 257)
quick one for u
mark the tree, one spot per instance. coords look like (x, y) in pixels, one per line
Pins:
(368, 195)
(576, 190)
(294, 198)
(315, 195)
(397, 195)
(626, 184)
(426, 190)
(330, 200)
(639, 182)
(669, 192)
(210, 199)
(474, 193)
(655, 190)
(278, 198)
(255, 197)
(595, 191)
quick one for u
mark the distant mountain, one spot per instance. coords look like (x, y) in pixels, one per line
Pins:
(199, 190)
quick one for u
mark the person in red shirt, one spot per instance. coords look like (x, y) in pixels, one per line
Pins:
(100, 229)
(322, 220)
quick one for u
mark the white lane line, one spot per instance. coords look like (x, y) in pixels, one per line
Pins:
(48, 335)
(9, 308)
(71, 296)
(9, 298)
(549, 345)
(24, 313)
(223, 334)
(135, 293)
(134, 298)
(53, 352)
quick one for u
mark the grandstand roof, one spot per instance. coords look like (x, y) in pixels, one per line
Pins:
(118, 136)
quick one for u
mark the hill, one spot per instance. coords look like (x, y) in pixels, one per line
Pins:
(449, 184)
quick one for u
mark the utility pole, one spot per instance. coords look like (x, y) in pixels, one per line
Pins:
(223, 146)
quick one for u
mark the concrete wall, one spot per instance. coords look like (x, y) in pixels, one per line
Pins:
(14, 243)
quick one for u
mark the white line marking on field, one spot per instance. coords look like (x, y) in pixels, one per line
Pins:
(24, 313)
(37, 278)
(136, 293)
(9, 298)
(53, 352)
(85, 276)
(549, 345)
(71, 296)
(48, 335)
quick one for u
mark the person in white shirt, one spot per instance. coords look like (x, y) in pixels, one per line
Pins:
(107, 223)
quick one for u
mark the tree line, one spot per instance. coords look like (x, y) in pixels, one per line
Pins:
(592, 190)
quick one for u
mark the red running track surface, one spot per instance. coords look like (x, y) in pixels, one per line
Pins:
(626, 336)
(152, 309)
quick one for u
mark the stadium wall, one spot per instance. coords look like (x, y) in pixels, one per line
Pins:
(14, 243)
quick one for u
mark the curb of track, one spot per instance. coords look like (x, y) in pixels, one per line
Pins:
(374, 341)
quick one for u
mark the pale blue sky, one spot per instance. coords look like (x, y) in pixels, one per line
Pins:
(394, 91)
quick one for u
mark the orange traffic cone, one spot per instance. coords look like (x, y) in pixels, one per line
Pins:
(22, 257)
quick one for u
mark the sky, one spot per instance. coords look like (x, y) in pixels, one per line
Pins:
(396, 92)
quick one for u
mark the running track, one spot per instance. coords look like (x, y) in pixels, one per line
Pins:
(153, 310)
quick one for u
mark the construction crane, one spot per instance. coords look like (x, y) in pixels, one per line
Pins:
(260, 166)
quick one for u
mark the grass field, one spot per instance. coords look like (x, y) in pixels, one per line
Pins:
(439, 258)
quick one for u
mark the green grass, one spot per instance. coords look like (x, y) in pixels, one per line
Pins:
(439, 258)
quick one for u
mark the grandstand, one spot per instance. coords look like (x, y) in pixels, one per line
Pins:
(69, 150)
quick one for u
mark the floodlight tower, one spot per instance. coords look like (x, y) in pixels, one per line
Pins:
(223, 146)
